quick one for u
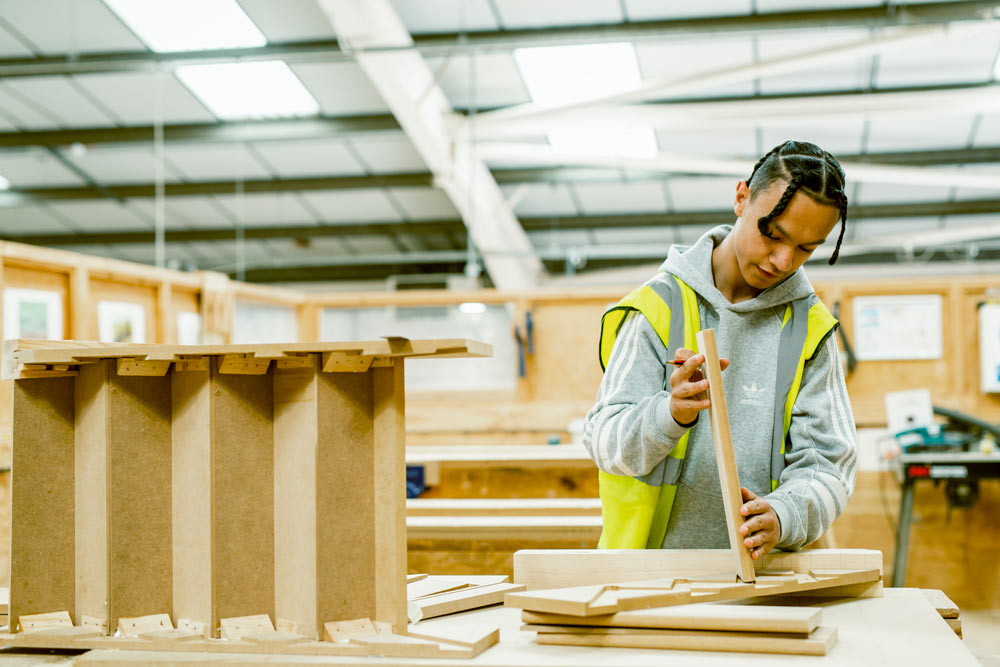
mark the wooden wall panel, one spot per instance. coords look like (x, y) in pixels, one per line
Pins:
(565, 366)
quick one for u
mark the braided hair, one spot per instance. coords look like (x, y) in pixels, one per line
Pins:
(808, 169)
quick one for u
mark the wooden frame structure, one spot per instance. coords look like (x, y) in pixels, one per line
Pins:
(211, 482)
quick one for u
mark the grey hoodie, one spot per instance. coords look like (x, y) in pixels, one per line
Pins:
(629, 430)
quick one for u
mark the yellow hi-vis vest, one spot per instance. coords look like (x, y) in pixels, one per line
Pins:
(636, 510)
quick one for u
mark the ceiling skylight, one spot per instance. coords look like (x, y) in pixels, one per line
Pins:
(188, 25)
(249, 90)
(560, 75)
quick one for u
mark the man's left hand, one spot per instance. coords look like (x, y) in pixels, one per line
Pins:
(761, 528)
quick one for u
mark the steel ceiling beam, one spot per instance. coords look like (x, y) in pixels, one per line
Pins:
(412, 92)
(230, 131)
(934, 13)
(554, 223)
(537, 175)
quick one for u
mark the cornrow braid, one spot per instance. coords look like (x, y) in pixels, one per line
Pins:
(764, 222)
(807, 168)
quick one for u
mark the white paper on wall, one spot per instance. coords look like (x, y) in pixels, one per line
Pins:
(32, 313)
(989, 347)
(121, 322)
(897, 327)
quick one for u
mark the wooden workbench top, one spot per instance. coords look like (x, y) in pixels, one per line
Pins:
(901, 628)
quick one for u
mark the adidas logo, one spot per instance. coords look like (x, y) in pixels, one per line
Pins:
(752, 395)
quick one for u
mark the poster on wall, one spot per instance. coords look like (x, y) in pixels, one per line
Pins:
(32, 313)
(189, 328)
(121, 322)
(897, 327)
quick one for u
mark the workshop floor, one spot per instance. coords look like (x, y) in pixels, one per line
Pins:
(981, 633)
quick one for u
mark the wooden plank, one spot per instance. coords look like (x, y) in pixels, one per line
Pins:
(497, 507)
(91, 492)
(820, 642)
(133, 627)
(235, 628)
(722, 617)
(192, 534)
(239, 364)
(140, 571)
(46, 621)
(559, 568)
(389, 470)
(941, 602)
(725, 456)
(242, 495)
(336, 362)
(476, 639)
(142, 367)
(342, 631)
(432, 586)
(195, 364)
(462, 600)
(956, 625)
(42, 496)
(612, 598)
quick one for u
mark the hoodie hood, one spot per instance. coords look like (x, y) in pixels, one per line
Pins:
(693, 265)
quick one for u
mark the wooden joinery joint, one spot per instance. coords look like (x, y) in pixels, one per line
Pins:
(142, 367)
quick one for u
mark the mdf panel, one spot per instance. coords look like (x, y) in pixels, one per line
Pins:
(42, 554)
(139, 497)
(91, 470)
(242, 494)
(296, 451)
(389, 467)
(191, 468)
(351, 570)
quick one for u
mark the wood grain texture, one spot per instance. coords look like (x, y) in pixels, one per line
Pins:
(820, 642)
(42, 491)
(725, 456)
(722, 617)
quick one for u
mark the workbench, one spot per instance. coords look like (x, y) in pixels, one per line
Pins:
(901, 628)
(937, 466)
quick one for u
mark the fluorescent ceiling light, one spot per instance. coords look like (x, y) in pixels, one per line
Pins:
(609, 140)
(4, 183)
(561, 75)
(472, 308)
(188, 25)
(249, 90)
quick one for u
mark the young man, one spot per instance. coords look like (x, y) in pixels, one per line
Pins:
(793, 430)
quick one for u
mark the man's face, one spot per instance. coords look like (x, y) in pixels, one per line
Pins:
(793, 236)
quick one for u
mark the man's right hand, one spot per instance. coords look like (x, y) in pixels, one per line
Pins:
(688, 388)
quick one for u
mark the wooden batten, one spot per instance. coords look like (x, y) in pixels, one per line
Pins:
(42, 496)
(725, 456)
